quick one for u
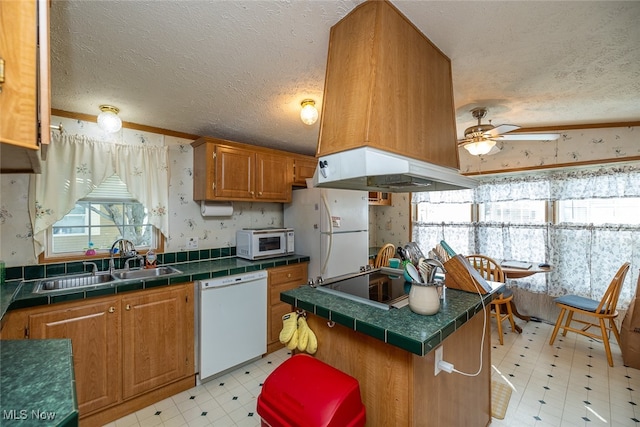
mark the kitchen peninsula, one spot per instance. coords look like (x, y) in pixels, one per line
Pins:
(391, 353)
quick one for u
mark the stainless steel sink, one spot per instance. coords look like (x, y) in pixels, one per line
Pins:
(144, 273)
(76, 281)
(87, 279)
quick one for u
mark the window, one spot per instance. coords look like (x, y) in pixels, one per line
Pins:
(600, 211)
(514, 212)
(443, 212)
(105, 215)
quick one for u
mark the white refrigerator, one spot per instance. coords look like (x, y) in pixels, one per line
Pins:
(331, 227)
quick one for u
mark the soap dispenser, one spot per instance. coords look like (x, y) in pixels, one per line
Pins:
(151, 259)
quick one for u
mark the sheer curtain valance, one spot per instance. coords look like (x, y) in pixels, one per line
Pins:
(604, 182)
(76, 165)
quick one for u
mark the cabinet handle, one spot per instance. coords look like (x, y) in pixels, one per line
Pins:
(1, 73)
(112, 309)
(259, 193)
(251, 192)
(128, 307)
(288, 275)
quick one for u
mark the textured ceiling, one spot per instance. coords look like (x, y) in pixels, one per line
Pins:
(239, 69)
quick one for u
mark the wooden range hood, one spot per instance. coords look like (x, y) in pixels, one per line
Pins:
(387, 87)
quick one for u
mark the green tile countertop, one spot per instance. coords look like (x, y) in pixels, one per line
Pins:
(401, 327)
(37, 383)
(19, 294)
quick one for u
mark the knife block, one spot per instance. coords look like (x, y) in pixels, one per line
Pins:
(461, 275)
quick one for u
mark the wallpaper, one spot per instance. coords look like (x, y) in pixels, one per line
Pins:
(185, 219)
(573, 146)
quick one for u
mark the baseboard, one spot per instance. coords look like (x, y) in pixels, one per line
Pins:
(130, 406)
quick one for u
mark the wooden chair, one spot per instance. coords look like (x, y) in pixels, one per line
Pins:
(491, 270)
(386, 252)
(601, 311)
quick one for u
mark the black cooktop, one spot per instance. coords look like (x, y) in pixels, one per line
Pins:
(378, 287)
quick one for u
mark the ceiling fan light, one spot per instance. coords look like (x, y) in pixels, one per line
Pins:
(309, 113)
(479, 148)
(108, 119)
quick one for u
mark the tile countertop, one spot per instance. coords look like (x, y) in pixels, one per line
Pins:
(401, 327)
(37, 390)
(19, 294)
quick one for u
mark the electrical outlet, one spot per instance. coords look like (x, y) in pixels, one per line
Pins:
(436, 368)
(192, 243)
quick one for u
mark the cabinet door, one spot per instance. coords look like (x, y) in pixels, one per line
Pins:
(94, 332)
(303, 169)
(235, 173)
(18, 97)
(273, 177)
(155, 339)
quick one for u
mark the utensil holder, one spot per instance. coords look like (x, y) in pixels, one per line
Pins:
(461, 275)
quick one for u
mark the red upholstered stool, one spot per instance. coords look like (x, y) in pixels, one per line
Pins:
(305, 392)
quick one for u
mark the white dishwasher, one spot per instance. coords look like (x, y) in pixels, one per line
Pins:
(232, 322)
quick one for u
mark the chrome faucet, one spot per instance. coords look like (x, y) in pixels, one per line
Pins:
(435, 264)
(94, 267)
(127, 265)
(125, 249)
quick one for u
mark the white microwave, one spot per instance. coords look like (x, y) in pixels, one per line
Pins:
(264, 242)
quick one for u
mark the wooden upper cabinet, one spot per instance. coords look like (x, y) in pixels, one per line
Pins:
(303, 167)
(273, 178)
(25, 89)
(404, 105)
(224, 170)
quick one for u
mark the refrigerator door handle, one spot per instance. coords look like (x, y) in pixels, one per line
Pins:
(325, 262)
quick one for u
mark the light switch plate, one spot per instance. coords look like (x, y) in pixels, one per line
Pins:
(192, 243)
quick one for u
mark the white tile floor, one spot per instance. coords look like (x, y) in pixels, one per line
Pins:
(568, 384)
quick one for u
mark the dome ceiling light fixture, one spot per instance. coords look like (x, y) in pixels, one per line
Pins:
(309, 113)
(108, 119)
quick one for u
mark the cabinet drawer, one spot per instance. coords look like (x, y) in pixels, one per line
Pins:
(291, 273)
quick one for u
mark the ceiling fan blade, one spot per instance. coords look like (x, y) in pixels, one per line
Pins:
(499, 130)
(494, 150)
(530, 137)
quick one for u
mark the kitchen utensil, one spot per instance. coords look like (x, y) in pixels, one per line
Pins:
(401, 253)
(411, 274)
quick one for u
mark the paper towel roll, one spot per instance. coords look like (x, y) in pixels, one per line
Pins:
(216, 208)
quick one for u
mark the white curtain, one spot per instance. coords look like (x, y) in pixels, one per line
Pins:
(585, 257)
(76, 165)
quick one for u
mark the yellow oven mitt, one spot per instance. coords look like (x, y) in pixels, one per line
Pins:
(303, 333)
(293, 342)
(289, 326)
(312, 344)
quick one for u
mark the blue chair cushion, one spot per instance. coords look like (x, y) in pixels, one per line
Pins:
(579, 302)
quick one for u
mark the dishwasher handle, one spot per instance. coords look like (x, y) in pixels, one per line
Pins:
(223, 282)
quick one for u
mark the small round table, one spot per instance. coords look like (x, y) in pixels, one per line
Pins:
(519, 273)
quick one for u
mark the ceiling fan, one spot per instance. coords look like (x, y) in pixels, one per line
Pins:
(481, 139)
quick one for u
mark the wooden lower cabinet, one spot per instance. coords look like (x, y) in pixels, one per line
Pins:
(281, 279)
(129, 350)
(152, 325)
(399, 388)
(93, 329)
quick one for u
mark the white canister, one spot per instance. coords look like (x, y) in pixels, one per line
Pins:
(424, 299)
